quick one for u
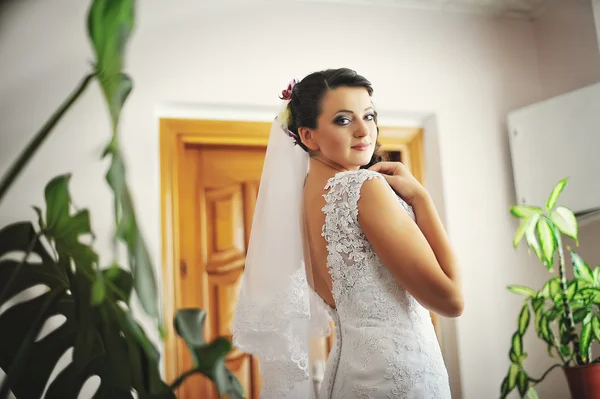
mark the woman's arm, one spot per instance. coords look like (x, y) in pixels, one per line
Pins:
(419, 255)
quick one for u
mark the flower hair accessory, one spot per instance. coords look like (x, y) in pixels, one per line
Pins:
(287, 93)
(285, 115)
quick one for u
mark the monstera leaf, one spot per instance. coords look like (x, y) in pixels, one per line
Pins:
(110, 23)
(209, 358)
(106, 341)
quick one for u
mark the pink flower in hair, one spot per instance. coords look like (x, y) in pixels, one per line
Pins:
(287, 93)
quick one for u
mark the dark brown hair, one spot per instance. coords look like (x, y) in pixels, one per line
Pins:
(307, 95)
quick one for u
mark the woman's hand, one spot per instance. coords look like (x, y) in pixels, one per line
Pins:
(402, 181)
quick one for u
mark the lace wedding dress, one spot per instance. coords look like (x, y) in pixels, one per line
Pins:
(385, 343)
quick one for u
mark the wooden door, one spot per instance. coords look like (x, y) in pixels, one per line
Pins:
(218, 194)
(210, 171)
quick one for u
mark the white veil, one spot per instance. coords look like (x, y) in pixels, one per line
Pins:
(277, 313)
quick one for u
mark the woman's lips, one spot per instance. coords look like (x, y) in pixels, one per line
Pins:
(362, 147)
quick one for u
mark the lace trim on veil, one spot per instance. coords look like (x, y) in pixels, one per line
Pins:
(278, 334)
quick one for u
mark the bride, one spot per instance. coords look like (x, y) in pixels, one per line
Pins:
(338, 235)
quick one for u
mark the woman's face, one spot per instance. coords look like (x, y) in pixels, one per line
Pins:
(346, 131)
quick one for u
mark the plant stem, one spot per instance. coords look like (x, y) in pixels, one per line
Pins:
(39, 138)
(570, 324)
(565, 361)
(182, 378)
(538, 380)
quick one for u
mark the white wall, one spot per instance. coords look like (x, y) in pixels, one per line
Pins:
(467, 71)
(567, 47)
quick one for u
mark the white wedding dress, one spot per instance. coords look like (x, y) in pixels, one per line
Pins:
(385, 343)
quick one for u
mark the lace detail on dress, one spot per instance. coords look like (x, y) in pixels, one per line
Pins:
(390, 349)
(279, 343)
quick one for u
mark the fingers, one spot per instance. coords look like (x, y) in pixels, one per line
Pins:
(388, 168)
(381, 167)
(389, 179)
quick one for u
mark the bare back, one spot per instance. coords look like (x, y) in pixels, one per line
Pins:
(316, 261)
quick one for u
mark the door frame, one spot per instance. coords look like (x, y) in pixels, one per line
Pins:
(174, 135)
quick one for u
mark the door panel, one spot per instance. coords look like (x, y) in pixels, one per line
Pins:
(222, 187)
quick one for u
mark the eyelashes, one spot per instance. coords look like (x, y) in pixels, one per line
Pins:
(345, 120)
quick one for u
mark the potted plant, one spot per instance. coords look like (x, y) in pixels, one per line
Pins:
(565, 312)
(92, 299)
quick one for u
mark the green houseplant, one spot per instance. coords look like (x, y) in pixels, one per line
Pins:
(92, 299)
(565, 312)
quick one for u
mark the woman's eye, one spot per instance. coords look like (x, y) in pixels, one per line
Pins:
(370, 117)
(342, 121)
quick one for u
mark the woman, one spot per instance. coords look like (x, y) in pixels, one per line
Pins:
(375, 255)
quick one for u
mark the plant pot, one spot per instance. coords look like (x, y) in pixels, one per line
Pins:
(584, 381)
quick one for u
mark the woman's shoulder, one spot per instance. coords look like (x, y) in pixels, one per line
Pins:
(351, 179)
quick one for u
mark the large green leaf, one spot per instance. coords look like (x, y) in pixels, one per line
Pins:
(572, 290)
(565, 220)
(120, 282)
(121, 367)
(65, 229)
(590, 294)
(527, 226)
(18, 367)
(110, 23)
(531, 238)
(513, 372)
(545, 329)
(524, 317)
(597, 276)
(209, 358)
(17, 276)
(129, 233)
(547, 241)
(525, 211)
(98, 290)
(532, 394)
(551, 202)
(517, 344)
(44, 353)
(580, 314)
(522, 290)
(596, 327)
(565, 335)
(585, 339)
(21, 237)
(99, 350)
(103, 337)
(581, 268)
(504, 390)
(565, 350)
(538, 302)
(92, 336)
(522, 383)
(554, 286)
(539, 313)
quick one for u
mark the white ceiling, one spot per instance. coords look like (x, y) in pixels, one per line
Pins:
(527, 9)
